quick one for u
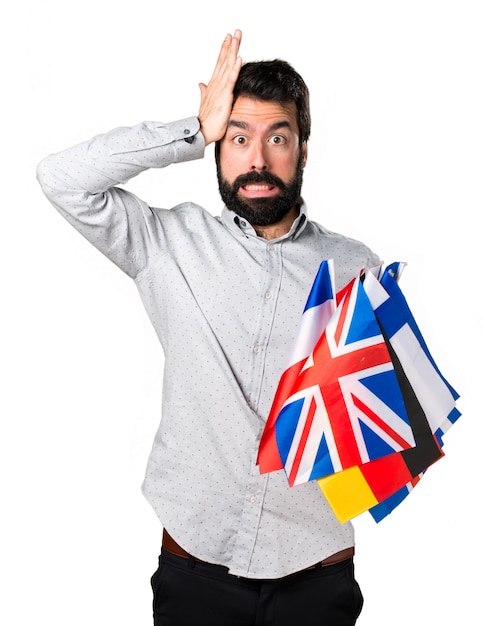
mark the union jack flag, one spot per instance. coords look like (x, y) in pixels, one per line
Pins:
(345, 407)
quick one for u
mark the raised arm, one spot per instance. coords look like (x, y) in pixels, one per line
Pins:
(82, 182)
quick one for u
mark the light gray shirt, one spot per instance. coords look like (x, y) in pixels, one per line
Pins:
(225, 305)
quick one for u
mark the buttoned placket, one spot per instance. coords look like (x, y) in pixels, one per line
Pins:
(257, 483)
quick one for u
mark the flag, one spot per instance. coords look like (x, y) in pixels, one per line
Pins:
(345, 406)
(382, 509)
(436, 395)
(351, 493)
(382, 485)
(318, 310)
(364, 409)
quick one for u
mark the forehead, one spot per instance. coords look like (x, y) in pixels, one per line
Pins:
(261, 113)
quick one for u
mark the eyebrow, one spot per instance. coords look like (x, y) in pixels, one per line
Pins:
(246, 126)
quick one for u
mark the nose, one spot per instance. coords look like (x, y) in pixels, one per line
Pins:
(258, 157)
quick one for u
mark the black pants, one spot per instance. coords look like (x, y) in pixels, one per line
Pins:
(190, 593)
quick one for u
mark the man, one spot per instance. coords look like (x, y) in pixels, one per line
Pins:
(225, 295)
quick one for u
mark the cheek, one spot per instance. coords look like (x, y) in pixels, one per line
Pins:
(231, 167)
(288, 166)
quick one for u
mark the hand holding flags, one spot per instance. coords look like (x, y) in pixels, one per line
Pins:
(362, 407)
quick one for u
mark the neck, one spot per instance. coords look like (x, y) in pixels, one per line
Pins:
(274, 231)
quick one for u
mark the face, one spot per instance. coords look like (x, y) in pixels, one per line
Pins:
(260, 162)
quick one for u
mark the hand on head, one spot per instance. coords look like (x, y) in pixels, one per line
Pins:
(217, 95)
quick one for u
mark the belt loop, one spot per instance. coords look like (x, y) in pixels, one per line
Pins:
(191, 562)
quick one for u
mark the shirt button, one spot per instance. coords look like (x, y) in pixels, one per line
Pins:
(243, 223)
(186, 131)
(253, 499)
(268, 295)
(256, 349)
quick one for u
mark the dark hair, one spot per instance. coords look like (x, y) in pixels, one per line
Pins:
(276, 81)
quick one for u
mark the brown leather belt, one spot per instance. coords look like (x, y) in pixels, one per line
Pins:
(170, 545)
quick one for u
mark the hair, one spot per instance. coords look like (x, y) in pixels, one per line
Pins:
(276, 81)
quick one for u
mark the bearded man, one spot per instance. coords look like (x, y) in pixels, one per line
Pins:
(225, 295)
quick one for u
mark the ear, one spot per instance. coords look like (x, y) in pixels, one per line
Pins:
(304, 153)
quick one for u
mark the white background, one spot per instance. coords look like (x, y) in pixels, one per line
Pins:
(395, 159)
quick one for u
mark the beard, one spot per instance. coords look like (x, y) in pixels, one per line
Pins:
(261, 211)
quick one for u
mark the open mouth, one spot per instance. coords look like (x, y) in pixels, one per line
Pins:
(258, 189)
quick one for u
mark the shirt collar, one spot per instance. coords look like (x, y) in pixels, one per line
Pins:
(240, 226)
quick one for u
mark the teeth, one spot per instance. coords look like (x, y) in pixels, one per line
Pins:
(257, 187)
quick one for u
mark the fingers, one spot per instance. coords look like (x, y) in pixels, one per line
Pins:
(228, 58)
(231, 45)
(217, 95)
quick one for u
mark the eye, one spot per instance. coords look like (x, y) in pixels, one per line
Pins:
(239, 140)
(278, 140)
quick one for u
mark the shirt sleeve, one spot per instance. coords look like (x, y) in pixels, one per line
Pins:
(82, 184)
